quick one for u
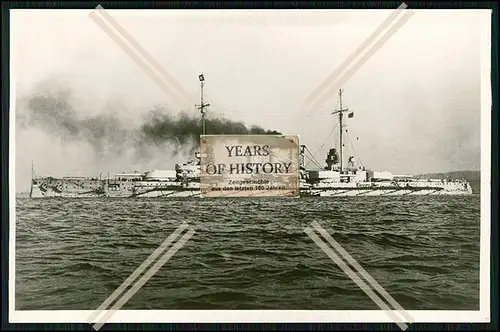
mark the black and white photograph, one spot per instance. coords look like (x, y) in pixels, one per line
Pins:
(250, 166)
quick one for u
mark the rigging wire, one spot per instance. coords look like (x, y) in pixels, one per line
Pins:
(312, 158)
(336, 138)
(352, 146)
(226, 111)
(322, 145)
(326, 140)
(287, 114)
(217, 111)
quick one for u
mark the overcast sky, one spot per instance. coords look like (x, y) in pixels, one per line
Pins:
(416, 101)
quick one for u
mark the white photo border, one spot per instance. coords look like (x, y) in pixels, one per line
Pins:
(283, 316)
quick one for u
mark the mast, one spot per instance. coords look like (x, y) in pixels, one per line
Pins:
(341, 130)
(202, 105)
(341, 115)
(32, 176)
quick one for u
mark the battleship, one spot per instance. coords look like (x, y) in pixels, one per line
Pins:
(334, 179)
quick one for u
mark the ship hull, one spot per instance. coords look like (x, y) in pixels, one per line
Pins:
(38, 192)
(410, 189)
(181, 192)
(387, 192)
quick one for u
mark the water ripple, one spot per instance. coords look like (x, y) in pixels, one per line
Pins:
(248, 254)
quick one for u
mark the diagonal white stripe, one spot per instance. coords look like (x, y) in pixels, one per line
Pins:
(347, 62)
(361, 61)
(144, 65)
(137, 272)
(361, 270)
(144, 279)
(354, 277)
(169, 78)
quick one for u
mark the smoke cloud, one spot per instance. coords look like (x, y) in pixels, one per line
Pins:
(55, 113)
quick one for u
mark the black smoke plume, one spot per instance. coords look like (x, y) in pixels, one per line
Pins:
(56, 114)
(184, 130)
